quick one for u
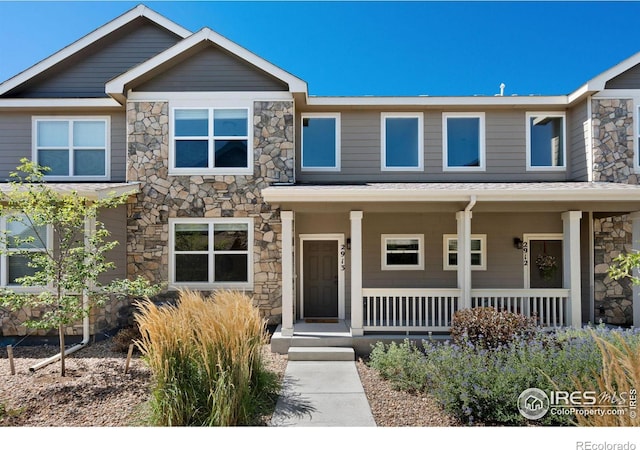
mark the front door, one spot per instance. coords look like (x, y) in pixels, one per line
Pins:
(320, 278)
(545, 262)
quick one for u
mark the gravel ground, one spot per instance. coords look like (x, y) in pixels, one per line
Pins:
(97, 393)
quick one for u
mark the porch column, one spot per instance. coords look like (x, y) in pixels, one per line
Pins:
(635, 246)
(287, 273)
(571, 262)
(463, 219)
(356, 273)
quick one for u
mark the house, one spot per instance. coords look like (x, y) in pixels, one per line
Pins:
(385, 214)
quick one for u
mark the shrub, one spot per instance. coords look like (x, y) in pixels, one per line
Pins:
(488, 328)
(205, 356)
(403, 364)
(124, 338)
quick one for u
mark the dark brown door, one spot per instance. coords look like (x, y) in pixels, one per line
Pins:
(545, 268)
(320, 279)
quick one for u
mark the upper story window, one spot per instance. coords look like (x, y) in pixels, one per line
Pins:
(72, 147)
(402, 141)
(463, 142)
(211, 140)
(546, 143)
(211, 252)
(636, 163)
(402, 252)
(320, 142)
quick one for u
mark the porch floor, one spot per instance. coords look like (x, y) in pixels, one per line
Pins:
(338, 335)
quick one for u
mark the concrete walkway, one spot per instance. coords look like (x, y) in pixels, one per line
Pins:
(322, 394)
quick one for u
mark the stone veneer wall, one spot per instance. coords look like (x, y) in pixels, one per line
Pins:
(613, 155)
(163, 196)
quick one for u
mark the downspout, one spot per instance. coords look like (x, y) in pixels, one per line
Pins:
(89, 226)
(472, 203)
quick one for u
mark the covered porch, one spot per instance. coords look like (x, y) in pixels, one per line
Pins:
(477, 244)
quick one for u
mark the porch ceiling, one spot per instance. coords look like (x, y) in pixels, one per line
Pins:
(452, 197)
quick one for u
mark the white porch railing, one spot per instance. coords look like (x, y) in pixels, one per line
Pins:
(548, 306)
(409, 309)
(406, 310)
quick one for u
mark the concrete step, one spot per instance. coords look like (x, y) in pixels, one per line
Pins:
(321, 354)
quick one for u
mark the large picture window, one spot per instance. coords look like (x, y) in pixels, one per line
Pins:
(545, 141)
(463, 141)
(320, 142)
(214, 140)
(402, 141)
(402, 252)
(213, 252)
(72, 147)
(478, 252)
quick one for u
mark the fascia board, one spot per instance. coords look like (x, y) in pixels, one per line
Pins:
(116, 86)
(480, 101)
(138, 11)
(27, 103)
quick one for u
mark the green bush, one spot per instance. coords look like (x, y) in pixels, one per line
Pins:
(488, 328)
(403, 364)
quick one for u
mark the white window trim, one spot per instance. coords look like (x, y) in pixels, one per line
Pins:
(245, 285)
(4, 260)
(338, 138)
(636, 146)
(481, 141)
(210, 107)
(107, 140)
(445, 251)
(561, 168)
(383, 134)
(383, 243)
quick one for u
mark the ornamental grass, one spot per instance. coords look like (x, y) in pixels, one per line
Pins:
(205, 356)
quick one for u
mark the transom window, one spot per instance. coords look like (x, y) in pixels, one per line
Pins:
(211, 252)
(478, 252)
(402, 141)
(72, 147)
(21, 236)
(402, 252)
(546, 141)
(211, 140)
(463, 141)
(320, 142)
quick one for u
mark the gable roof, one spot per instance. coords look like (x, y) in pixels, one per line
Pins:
(599, 82)
(133, 14)
(117, 86)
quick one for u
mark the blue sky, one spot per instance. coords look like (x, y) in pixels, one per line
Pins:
(372, 48)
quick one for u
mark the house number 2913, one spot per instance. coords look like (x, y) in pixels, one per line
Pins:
(343, 252)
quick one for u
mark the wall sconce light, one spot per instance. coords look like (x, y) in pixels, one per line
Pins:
(517, 243)
(348, 243)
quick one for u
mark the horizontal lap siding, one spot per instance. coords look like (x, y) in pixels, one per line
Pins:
(578, 131)
(629, 79)
(211, 69)
(505, 134)
(16, 140)
(115, 220)
(85, 74)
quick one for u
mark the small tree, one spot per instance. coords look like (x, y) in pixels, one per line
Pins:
(64, 256)
(623, 266)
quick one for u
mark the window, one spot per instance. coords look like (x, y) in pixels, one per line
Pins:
(478, 252)
(321, 142)
(72, 147)
(402, 252)
(545, 141)
(212, 252)
(214, 140)
(463, 141)
(402, 142)
(18, 231)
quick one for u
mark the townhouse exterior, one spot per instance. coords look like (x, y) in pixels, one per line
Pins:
(386, 214)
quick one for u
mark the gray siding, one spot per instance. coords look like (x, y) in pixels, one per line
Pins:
(578, 135)
(360, 148)
(212, 69)
(115, 220)
(16, 139)
(85, 74)
(629, 79)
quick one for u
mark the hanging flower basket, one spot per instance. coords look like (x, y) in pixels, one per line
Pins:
(547, 265)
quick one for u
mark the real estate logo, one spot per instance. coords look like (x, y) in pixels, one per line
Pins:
(533, 403)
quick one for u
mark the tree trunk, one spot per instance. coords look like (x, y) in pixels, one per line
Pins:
(61, 333)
